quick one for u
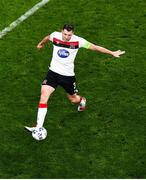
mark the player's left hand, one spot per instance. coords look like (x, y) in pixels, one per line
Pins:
(118, 53)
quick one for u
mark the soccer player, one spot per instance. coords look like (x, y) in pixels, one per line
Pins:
(61, 70)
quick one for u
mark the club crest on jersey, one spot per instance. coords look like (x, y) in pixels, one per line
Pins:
(63, 53)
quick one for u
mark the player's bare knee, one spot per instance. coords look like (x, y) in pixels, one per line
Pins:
(44, 97)
(46, 92)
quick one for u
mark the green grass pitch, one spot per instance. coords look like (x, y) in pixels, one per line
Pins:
(108, 140)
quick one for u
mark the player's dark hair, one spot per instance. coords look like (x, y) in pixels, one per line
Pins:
(68, 27)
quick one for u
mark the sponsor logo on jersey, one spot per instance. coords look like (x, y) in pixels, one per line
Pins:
(63, 53)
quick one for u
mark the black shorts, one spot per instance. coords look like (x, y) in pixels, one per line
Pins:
(67, 82)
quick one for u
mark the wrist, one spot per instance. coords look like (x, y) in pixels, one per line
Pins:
(112, 53)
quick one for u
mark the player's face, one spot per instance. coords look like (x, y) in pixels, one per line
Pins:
(66, 35)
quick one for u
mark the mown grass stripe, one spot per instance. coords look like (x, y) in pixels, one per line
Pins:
(23, 17)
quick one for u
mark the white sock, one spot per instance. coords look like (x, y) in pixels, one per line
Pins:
(42, 111)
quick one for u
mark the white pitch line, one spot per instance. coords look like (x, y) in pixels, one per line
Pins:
(22, 18)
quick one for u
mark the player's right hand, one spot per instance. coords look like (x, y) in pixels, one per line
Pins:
(39, 46)
(118, 53)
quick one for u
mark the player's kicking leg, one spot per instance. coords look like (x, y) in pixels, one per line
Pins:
(46, 92)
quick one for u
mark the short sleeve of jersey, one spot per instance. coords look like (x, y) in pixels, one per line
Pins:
(83, 43)
(52, 35)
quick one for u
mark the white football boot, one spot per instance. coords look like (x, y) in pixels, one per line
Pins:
(82, 105)
(30, 129)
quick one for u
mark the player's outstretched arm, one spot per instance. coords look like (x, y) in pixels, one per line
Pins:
(43, 42)
(105, 51)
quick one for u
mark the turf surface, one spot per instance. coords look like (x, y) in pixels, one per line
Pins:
(108, 140)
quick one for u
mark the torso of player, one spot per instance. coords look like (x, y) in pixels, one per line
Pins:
(64, 53)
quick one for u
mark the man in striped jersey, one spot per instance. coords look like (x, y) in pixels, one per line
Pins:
(61, 70)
